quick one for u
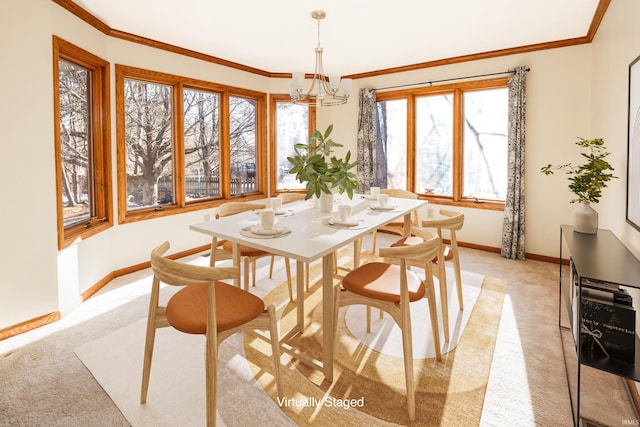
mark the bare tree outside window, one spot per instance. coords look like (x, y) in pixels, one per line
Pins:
(74, 91)
(393, 131)
(201, 144)
(434, 144)
(485, 144)
(149, 143)
(243, 139)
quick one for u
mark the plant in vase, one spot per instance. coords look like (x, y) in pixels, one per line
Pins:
(315, 165)
(587, 182)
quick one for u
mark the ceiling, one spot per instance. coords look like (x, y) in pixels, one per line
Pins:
(358, 36)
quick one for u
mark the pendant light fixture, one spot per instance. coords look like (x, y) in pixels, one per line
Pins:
(324, 90)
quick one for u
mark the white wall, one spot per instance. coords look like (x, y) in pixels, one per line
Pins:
(616, 45)
(569, 94)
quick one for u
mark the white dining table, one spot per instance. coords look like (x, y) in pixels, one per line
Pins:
(312, 237)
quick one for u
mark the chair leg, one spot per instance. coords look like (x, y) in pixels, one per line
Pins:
(373, 241)
(148, 355)
(306, 266)
(214, 247)
(271, 266)
(253, 273)
(211, 357)
(442, 279)
(456, 269)
(336, 310)
(407, 347)
(245, 278)
(433, 316)
(275, 347)
(149, 340)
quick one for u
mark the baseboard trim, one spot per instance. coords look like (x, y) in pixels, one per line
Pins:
(29, 325)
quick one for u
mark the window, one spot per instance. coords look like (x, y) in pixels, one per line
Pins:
(201, 144)
(243, 144)
(291, 124)
(185, 144)
(82, 143)
(448, 143)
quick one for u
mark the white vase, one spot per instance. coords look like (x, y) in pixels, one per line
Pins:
(585, 219)
(326, 203)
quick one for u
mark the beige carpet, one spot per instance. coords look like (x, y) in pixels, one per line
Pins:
(449, 392)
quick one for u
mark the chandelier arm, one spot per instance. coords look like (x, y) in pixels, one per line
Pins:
(326, 95)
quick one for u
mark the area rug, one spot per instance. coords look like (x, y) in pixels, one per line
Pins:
(449, 391)
(369, 385)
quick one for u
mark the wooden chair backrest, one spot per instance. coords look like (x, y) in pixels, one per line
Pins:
(426, 250)
(177, 273)
(454, 220)
(396, 192)
(291, 197)
(232, 208)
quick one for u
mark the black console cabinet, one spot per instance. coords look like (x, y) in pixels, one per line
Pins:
(597, 258)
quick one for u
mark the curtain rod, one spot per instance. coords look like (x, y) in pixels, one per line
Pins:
(430, 83)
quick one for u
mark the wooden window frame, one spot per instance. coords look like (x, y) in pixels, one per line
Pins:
(274, 99)
(457, 90)
(179, 83)
(100, 143)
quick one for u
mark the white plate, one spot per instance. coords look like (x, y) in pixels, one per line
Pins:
(345, 223)
(277, 213)
(380, 208)
(256, 229)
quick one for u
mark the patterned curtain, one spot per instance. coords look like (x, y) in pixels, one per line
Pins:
(372, 169)
(513, 225)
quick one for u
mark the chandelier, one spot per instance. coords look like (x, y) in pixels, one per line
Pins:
(326, 88)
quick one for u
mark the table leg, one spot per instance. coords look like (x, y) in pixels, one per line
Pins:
(357, 248)
(407, 225)
(327, 316)
(300, 294)
(236, 262)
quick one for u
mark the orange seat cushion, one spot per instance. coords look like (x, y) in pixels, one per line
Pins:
(244, 250)
(187, 309)
(381, 281)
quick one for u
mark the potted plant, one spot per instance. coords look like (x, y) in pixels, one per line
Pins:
(316, 165)
(587, 182)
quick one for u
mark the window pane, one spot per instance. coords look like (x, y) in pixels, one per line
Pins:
(485, 144)
(292, 128)
(149, 143)
(201, 144)
(434, 145)
(392, 126)
(243, 139)
(77, 200)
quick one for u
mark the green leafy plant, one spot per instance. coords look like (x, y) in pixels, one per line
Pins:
(588, 180)
(316, 165)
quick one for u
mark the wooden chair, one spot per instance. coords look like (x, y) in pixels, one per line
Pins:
(205, 306)
(248, 255)
(396, 227)
(451, 221)
(391, 288)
